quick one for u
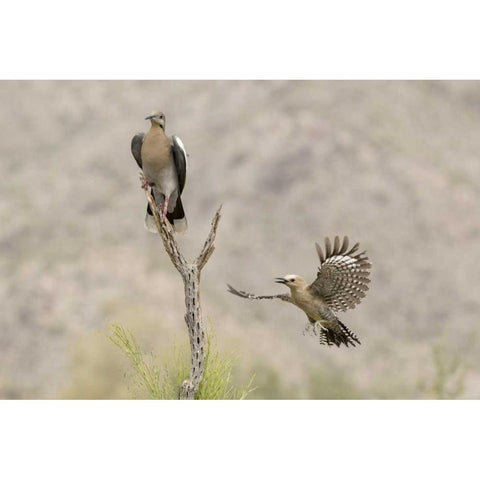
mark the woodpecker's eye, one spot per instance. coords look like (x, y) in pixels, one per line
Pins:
(292, 279)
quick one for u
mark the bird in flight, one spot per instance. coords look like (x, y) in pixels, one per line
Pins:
(164, 164)
(341, 283)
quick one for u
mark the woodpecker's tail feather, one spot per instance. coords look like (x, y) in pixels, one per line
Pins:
(334, 337)
(336, 333)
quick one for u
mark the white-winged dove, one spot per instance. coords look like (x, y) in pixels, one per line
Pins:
(341, 283)
(164, 163)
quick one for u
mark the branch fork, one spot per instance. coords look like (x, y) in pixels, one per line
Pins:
(190, 273)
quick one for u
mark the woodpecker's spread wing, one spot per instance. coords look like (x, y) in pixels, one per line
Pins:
(342, 278)
(180, 159)
(251, 296)
(136, 147)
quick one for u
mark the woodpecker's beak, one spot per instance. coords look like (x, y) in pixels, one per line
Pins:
(149, 117)
(280, 280)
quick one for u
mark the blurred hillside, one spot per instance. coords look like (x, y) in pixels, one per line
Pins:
(393, 165)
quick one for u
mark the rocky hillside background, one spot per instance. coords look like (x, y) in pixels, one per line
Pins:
(394, 165)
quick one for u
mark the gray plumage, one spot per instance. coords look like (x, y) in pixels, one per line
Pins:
(136, 148)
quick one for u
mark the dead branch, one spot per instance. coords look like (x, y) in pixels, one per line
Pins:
(190, 273)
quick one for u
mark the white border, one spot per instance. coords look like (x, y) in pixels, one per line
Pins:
(250, 439)
(243, 40)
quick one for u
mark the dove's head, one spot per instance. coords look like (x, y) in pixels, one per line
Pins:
(157, 118)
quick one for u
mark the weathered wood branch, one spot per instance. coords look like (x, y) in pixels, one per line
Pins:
(190, 273)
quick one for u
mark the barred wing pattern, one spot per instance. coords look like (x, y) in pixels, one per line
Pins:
(342, 279)
(341, 335)
(251, 296)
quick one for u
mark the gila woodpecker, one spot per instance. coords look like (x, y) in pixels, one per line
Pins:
(341, 283)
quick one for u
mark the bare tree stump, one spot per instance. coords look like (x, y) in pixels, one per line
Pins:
(190, 273)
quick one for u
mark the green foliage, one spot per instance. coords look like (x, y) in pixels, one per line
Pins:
(147, 374)
(217, 383)
(164, 384)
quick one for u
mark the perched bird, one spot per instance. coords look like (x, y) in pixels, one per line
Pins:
(164, 163)
(341, 283)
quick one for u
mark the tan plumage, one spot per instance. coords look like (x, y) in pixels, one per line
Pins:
(342, 281)
(156, 151)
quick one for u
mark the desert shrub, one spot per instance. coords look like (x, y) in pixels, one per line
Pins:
(163, 383)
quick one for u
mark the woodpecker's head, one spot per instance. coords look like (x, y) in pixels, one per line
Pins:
(157, 118)
(293, 282)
